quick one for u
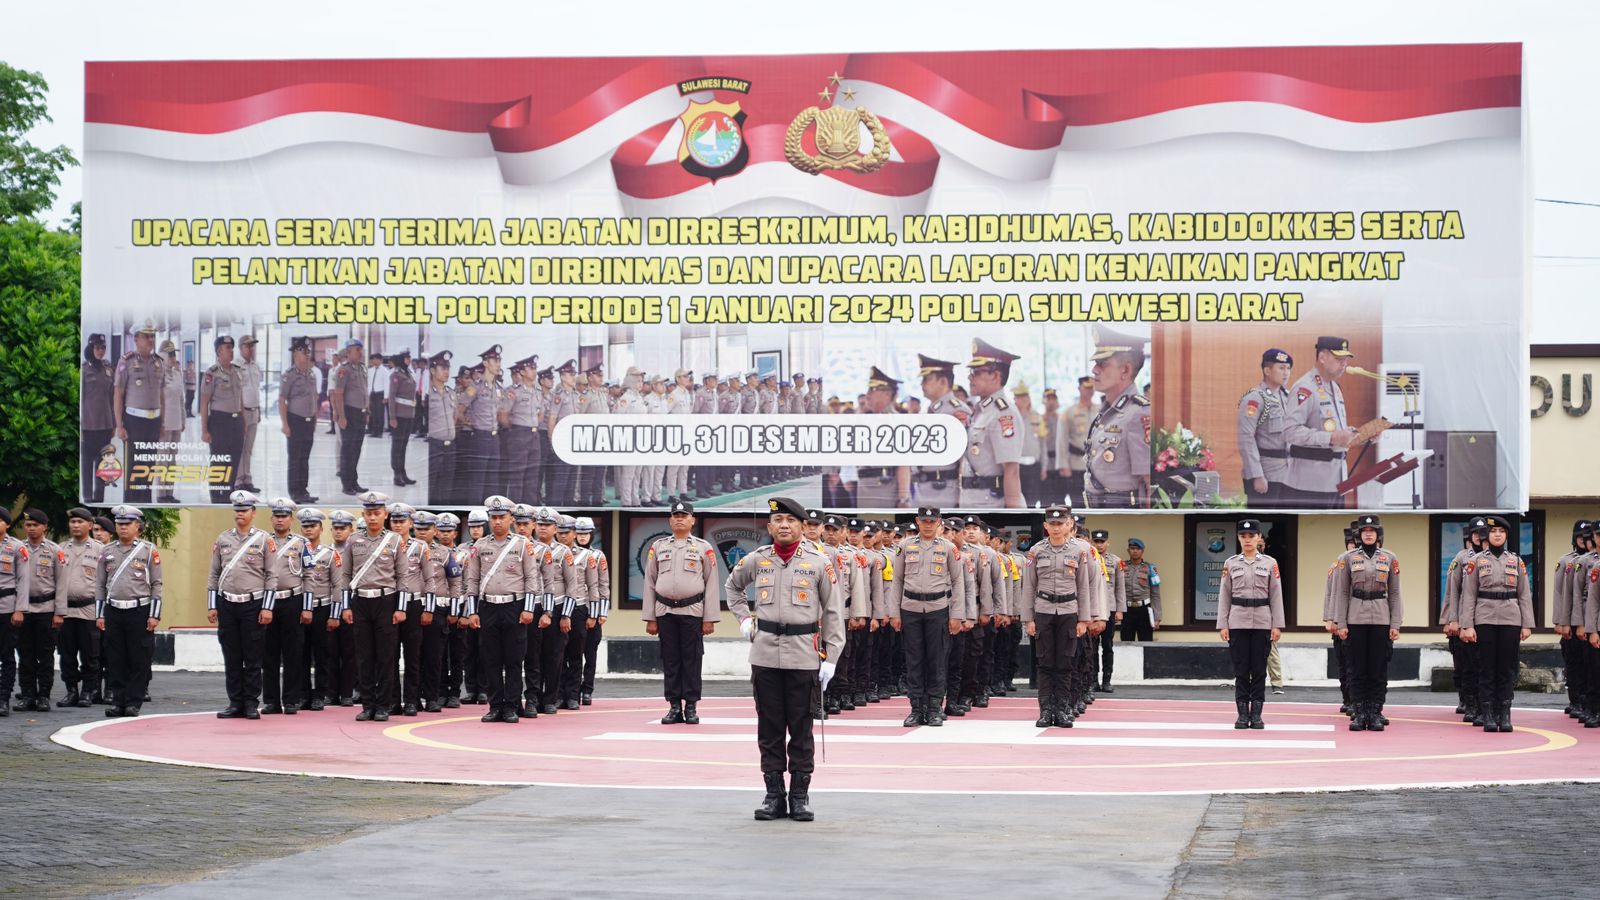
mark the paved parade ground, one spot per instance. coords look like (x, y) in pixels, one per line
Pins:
(900, 811)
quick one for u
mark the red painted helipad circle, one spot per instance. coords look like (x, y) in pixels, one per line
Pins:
(1120, 747)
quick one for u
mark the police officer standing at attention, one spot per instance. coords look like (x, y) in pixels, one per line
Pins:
(137, 403)
(1368, 611)
(297, 412)
(1056, 606)
(1117, 595)
(882, 487)
(681, 606)
(1118, 459)
(241, 578)
(284, 642)
(97, 418)
(939, 485)
(321, 588)
(127, 596)
(503, 592)
(481, 409)
(926, 601)
(1072, 439)
(784, 596)
(79, 641)
(441, 414)
(993, 473)
(564, 402)
(402, 415)
(373, 609)
(416, 585)
(521, 439)
(1568, 595)
(221, 413)
(348, 398)
(1496, 614)
(1143, 617)
(1317, 431)
(35, 618)
(250, 381)
(345, 672)
(14, 578)
(1250, 618)
(1263, 416)
(1465, 658)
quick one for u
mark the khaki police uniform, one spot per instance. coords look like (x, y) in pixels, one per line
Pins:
(1249, 606)
(139, 378)
(681, 593)
(1263, 448)
(297, 393)
(1057, 594)
(349, 393)
(240, 578)
(1315, 466)
(927, 594)
(1118, 460)
(79, 640)
(127, 596)
(1497, 603)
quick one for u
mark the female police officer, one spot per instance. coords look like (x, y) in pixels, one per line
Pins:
(1496, 613)
(1250, 618)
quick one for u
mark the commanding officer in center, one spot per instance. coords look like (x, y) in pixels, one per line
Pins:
(681, 606)
(242, 576)
(1056, 606)
(927, 596)
(993, 477)
(297, 414)
(1250, 618)
(1263, 416)
(1317, 431)
(1367, 611)
(127, 593)
(795, 623)
(1118, 457)
(940, 485)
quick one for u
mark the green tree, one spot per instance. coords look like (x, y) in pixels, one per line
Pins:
(40, 305)
(28, 174)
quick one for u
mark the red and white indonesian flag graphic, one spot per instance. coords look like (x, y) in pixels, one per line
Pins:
(1013, 115)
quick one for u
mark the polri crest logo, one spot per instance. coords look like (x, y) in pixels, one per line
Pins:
(713, 144)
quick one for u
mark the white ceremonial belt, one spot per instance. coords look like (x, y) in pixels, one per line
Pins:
(242, 598)
(129, 604)
(142, 413)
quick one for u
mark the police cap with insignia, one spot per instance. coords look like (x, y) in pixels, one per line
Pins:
(565, 522)
(1496, 521)
(681, 507)
(1368, 521)
(498, 506)
(570, 367)
(1583, 528)
(374, 500)
(125, 513)
(1081, 520)
(442, 358)
(1478, 523)
(1136, 542)
(1338, 346)
(491, 353)
(248, 340)
(986, 355)
(835, 520)
(310, 515)
(1086, 381)
(1100, 534)
(547, 373)
(479, 516)
(1049, 392)
(785, 506)
(99, 521)
(425, 519)
(1021, 390)
(78, 512)
(341, 518)
(545, 515)
(448, 522)
(522, 512)
(1273, 356)
(1249, 526)
(585, 525)
(877, 380)
(596, 369)
(299, 344)
(928, 513)
(281, 506)
(1057, 514)
(148, 326)
(353, 342)
(222, 339)
(399, 510)
(36, 516)
(243, 500)
(972, 519)
(854, 524)
(1110, 342)
(814, 515)
(954, 523)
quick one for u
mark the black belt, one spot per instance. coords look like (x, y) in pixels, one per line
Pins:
(992, 482)
(680, 604)
(1077, 450)
(8, 592)
(1497, 595)
(936, 475)
(1272, 454)
(77, 604)
(1319, 454)
(1058, 598)
(1249, 601)
(780, 628)
(1375, 595)
(879, 472)
(925, 598)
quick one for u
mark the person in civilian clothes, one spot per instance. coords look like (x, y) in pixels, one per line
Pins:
(79, 643)
(1465, 658)
(416, 580)
(1567, 616)
(1368, 611)
(927, 600)
(1056, 605)
(127, 595)
(35, 618)
(283, 644)
(1143, 585)
(784, 595)
(342, 686)
(373, 606)
(378, 385)
(1249, 618)
(599, 609)
(1496, 614)
(681, 606)
(319, 583)
(241, 578)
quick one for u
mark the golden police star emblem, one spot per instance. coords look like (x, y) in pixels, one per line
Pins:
(836, 133)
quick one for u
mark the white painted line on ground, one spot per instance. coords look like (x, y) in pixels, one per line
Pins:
(929, 736)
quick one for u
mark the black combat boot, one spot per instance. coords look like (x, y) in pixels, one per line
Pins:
(931, 714)
(1479, 712)
(493, 715)
(1064, 716)
(952, 707)
(800, 798)
(691, 716)
(233, 711)
(71, 699)
(775, 804)
(1375, 719)
(1047, 710)
(1358, 716)
(914, 718)
(1505, 717)
(1243, 721)
(674, 715)
(1255, 715)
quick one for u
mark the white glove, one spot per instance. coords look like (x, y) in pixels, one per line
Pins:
(825, 672)
(747, 627)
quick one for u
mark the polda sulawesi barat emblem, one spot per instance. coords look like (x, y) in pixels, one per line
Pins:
(836, 133)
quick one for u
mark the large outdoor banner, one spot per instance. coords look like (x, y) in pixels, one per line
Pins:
(1287, 278)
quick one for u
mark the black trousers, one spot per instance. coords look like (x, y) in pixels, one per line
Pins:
(79, 646)
(561, 480)
(532, 655)
(143, 431)
(380, 415)
(316, 661)
(399, 440)
(502, 641)
(1056, 652)
(522, 458)
(1369, 648)
(36, 655)
(227, 444)
(1138, 624)
(552, 654)
(1497, 662)
(571, 682)
(1465, 657)
(433, 641)
(284, 647)
(1341, 656)
(1249, 648)
(410, 647)
(350, 438)
(1007, 643)
(89, 447)
(591, 654)
(926, 637)
(1572, 660)
(783, 715)
(377, 641)
(128, 646)
(455, 651)
(302, 435)
(242, 637)
(682, 649)
(959, 645)
(442, 472)
(883, 644)
(1591, 669)
(977, 667)
(1107, 647)
(479, 455)
(8, 657)
(346, 674)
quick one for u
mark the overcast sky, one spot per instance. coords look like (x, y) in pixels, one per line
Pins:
(1559, 38)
